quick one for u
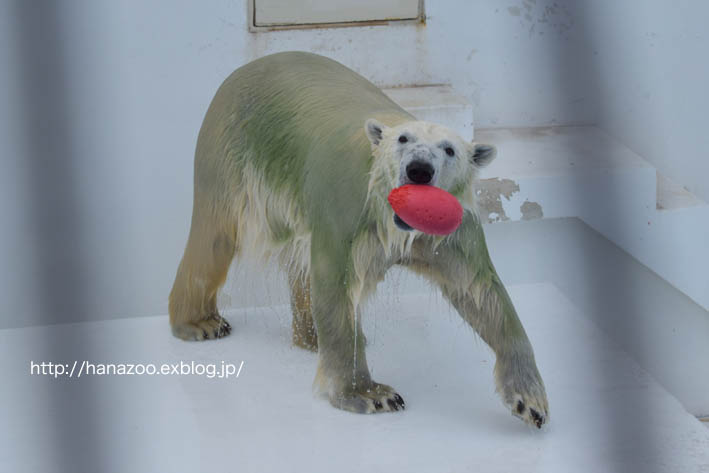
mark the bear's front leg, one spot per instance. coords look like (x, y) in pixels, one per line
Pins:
(342, 372)
(461, 266)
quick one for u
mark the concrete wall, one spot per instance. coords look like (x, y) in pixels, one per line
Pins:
(103, 101)
(650, 66)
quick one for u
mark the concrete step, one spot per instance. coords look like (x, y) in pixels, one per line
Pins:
(581, 171)
(436, 104)
(672, 196)
(560, 172)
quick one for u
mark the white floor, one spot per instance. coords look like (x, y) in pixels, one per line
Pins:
(607, 414)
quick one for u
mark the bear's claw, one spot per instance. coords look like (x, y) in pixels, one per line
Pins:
(530, 416)
(211, 328)
(522, 390)
(379, 398)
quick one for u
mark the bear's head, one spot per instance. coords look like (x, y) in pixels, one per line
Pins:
(424, 153)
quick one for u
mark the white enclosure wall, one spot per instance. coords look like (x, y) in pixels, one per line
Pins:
(103, 102)
(651, 64)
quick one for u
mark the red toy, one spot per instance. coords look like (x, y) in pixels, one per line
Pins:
(427, 208)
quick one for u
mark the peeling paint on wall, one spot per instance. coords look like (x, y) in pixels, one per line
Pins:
(531, 210)
(489, 198)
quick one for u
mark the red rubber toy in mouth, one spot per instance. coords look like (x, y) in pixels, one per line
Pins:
(426, 208)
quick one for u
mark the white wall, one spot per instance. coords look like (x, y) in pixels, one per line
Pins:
(103, 102)
(651, 66)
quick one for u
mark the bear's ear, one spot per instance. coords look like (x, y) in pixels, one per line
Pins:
(483, 155)
(374, 131)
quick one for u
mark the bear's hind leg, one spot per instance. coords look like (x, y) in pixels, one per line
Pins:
(304, 333)
(202, 271)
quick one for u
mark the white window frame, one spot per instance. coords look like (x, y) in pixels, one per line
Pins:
(420, 19)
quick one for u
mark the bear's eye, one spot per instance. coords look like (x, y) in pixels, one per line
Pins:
(449, 151)
(403, 139)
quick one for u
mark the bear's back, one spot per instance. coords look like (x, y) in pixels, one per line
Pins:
(302, 95)
(298, 120)
(319, 90)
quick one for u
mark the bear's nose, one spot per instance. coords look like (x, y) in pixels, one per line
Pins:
(420, 172)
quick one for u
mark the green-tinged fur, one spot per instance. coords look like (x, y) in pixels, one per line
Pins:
(295, 117)
(286, 168)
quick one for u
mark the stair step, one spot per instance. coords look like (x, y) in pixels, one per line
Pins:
(581, 171)
(672, 196)
(436, 104)
(561, 172)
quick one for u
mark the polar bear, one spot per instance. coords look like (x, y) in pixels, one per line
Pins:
(295, 159)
